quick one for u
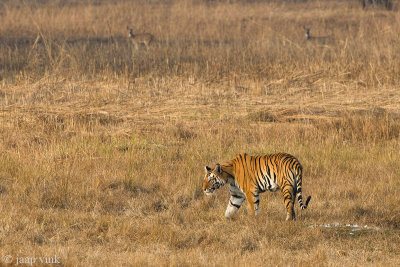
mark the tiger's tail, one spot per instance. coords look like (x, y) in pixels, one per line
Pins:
(299, 192)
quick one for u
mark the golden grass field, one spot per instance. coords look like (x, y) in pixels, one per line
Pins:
(103, 148)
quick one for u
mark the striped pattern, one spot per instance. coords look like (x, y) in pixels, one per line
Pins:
(248, 176)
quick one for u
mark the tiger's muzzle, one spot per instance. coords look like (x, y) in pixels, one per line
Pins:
(213, 187)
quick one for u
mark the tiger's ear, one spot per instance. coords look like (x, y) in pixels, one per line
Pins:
(218, 169)
(208, 169)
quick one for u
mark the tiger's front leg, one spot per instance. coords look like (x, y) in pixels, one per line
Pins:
(235, 201)
(254, 202)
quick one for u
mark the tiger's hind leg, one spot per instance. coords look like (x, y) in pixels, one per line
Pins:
(235, 201)
(290, 212)
(288, 199)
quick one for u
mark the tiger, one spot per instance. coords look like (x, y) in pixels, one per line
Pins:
(248, 176)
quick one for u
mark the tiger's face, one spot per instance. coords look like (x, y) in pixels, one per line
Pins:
(212, 179)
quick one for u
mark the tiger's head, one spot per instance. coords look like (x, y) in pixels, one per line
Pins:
(212, 179)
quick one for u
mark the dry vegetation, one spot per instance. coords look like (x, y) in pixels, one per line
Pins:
(102, 148)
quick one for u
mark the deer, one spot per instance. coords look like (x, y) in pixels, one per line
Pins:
(316, 38)
(140, 38)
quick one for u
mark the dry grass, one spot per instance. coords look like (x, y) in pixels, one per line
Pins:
(102, 148)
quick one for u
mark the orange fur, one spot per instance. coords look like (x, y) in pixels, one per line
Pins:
(250, 175)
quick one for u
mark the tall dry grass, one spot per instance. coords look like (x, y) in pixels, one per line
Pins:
(210, 41)
(103, 148)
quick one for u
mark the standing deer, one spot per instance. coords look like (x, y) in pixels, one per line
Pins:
(140, 38)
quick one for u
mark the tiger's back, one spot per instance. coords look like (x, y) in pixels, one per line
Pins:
(268, 172)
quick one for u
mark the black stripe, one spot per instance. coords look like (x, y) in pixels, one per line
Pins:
(260, 177)
(268, 175)
(308, 200)
(235, 205)
(237, 196)
(259, 185)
